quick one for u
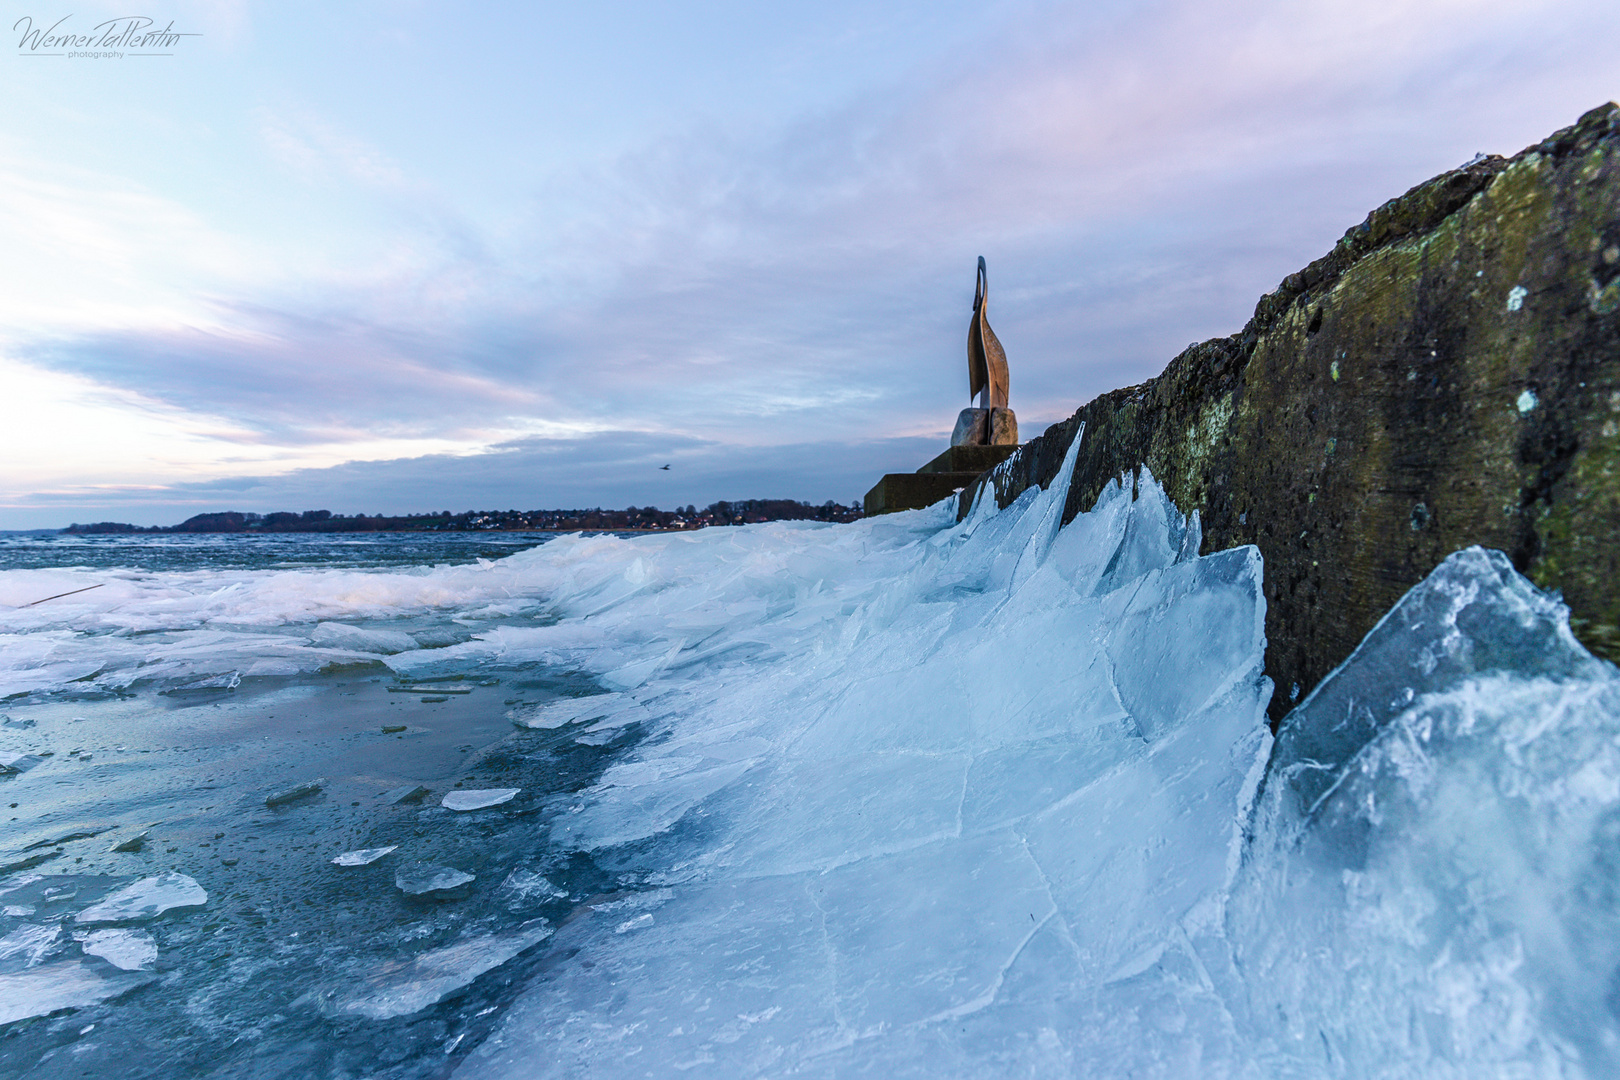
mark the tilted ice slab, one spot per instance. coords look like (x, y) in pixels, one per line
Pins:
(1434, 884)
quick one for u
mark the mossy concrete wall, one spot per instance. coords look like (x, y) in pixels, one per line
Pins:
(1448, 375)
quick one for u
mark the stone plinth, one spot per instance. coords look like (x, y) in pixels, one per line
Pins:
(956, 468)
(973, 459)
(914, 490)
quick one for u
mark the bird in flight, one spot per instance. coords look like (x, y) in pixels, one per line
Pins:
(665, 469)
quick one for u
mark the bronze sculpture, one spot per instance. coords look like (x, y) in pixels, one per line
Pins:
(992, 424)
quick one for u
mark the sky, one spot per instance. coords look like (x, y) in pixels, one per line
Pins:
(394, 257)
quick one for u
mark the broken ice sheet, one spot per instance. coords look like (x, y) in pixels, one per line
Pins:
(402, 987)
(479, 799)
(66, 984)
(146, 898)
(130, 950)
(364, 856)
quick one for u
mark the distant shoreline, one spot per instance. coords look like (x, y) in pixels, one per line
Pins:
(596, 519)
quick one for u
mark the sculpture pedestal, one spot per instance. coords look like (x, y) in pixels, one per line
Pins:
(985, 427)
(953, 470)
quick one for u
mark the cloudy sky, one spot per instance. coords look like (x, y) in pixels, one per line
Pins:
(405, 256)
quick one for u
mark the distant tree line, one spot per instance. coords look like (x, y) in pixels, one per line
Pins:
(650, 518)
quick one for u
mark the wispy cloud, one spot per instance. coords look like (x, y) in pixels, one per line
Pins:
(1137, 176)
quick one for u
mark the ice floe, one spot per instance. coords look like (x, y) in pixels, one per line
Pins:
(146, 899)
(363, 856)
(27, 944)
(401, 987)
(429, 882)
(128, 950)
(64, 984)
(479, 799)
(294, 792)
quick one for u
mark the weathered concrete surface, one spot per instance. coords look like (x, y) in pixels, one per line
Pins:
(955, 469)
(973, 459)
(1448, 375)
(913, 490)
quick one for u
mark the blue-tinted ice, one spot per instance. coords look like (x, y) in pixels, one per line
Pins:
(915, 797)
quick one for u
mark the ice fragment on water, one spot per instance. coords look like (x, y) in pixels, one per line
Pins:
(12, 762)
(528, 885)
(28, 861)
(479, 798)
(554, 714)
(82, 833)
(130, 950)
(364, 856)
(342, 636)
(297, 791)
(228, 680)
(405, 793)
(431, 882)
(399, 989)
(67, 984)
(146, 898)
(28, 944)
(134, 843)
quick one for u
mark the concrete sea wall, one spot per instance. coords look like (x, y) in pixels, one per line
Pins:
(1448, 375)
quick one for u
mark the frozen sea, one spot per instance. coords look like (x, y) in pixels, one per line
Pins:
(907, 797)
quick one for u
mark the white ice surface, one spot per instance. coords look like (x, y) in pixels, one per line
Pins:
(145, 899)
